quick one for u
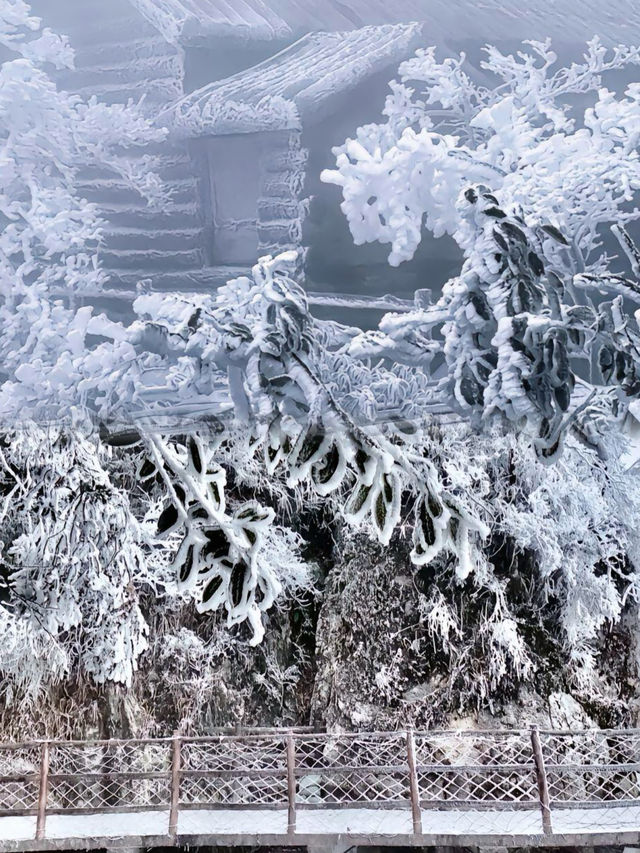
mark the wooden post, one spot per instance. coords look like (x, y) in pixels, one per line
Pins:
(175, 785)
(414, 791)
(42, 793)
(291, 784)
(541, 776)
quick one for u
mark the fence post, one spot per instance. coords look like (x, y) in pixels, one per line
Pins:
(175, 784)
(291, 784)
(541, 776)
(43, 790)
(414, 792)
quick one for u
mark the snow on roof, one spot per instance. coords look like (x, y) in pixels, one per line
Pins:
(291, 87)
(563, 20)
(189, 20)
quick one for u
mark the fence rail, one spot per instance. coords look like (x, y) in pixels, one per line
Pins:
(305, 769)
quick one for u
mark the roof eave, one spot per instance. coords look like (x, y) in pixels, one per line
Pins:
(221, 108)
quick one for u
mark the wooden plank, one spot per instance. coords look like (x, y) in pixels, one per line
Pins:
(24, 779)
(123, 775)
(474, 768)
(107, 742)
(239, 773)
(113, 809)
(331, 736)
(357, 301)
(250, 736)
(426, 805)
(42, 792)
(373, 769)
(541, 776)
(222, 806)
(255, 731)
(20, 812)
(274, 772)
(175, 786)
(333, 840)
(558, 805)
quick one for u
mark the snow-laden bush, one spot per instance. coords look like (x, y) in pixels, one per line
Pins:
(74, 559)
(572, 168)
(71, 562)
(542, 609)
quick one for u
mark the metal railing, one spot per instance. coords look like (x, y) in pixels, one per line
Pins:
(305, 769)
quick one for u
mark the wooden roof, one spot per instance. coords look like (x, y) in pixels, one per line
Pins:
(567, 21)
(292, 87)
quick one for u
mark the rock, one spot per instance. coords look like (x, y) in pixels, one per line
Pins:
(566, 713)
(309, 788)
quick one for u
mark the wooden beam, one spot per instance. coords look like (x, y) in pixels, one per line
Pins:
(291, 784)
(42, 792)
(414, 789)
(358, 301)
(541, 777)
(175, 785)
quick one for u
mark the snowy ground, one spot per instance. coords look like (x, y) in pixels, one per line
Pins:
(617, 819)
(361, 822)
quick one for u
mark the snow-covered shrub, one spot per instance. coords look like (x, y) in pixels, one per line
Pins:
(72, 560)
(573, 169)
(543, 607)
(480, 508)
(298, 402)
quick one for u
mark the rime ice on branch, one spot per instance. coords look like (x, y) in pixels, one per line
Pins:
(535, 326)
(532, 344)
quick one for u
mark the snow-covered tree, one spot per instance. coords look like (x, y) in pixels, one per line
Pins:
(71, 559)
(536, 324)
(50, 233)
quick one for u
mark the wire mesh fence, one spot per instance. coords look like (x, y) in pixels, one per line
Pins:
(557, 775)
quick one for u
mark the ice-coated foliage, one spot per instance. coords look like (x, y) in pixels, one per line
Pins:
(573, 169)
(543, 607)
(71, 560)
(237, 558)
(494, 526)
(297, 399)
(203, 440)
(71, 564)
(528, 185)
(50, 233)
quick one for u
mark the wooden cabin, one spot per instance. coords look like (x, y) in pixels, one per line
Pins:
(256, 93)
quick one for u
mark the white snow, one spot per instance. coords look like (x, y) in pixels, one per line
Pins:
(605, 819)
(232, 822)
(361, 821)
(482, 822)
(87, 826)
(17, 828)
(107, 825)
(326, 821)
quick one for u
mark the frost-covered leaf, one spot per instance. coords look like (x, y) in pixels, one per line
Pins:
(328, 474)
(169, 519)
(385, 508)
(359, 502)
